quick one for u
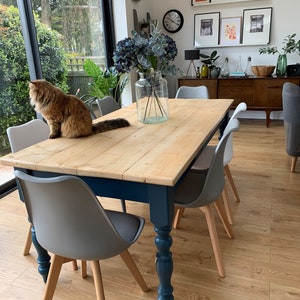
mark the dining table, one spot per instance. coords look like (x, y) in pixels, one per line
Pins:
(141, 162)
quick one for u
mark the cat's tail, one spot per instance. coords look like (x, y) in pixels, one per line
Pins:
(110, 125)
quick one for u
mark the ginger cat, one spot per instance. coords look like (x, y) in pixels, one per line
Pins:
(66, 115)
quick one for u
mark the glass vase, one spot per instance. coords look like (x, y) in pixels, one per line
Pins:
(281, 65)
(152, 98)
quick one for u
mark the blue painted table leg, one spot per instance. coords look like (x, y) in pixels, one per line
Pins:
(164, 262)
(43, 259)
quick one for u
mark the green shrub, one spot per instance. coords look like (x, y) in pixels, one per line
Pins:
(15, 108)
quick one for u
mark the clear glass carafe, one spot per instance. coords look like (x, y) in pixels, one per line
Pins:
(152, 98)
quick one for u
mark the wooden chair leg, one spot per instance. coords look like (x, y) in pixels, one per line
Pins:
(123, 204)
(178, 214)
(214, 239)
(227, 205)
(127, 258)
(83, 268)
(53, 275)
(223, 216)
(95, 264)
(231, 183)
(75, 265)
(28, 242)
(293, 164)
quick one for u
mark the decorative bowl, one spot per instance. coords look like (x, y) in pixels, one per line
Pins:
(262, 71)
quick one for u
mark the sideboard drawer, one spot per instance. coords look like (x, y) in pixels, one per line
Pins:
(240, 90)
(268, 92)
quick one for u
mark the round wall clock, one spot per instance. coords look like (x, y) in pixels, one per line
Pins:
(173, 20)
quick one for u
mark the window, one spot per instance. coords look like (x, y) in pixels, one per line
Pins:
(65, 33)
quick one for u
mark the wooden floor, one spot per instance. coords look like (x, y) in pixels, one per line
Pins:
(262, 262)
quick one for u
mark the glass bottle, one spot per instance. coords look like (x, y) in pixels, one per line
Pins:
(248, 71)
(152, 98)
(239, 65)
(198, 74)
(225, 68)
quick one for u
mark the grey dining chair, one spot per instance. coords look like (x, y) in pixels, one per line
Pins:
(192, 92)
(202, 188)
(23, 136)
(204, 159)
(291, 113)
(107, 105)
(71, 223)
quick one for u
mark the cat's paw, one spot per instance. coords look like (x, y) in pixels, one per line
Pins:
(53, 136)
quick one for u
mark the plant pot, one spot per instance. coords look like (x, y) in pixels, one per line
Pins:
(215, 72)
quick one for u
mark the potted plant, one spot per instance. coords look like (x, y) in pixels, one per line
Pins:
(210, 60)
(107, 82)
(290, 45)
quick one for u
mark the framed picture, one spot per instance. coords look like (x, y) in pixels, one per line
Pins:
(206, 29)
(230, 31)
(257, 26)
(199, 2)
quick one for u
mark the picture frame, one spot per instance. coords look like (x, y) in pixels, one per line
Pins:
(199, 2)
(211, 2)
(206, 29)
(257, 26)
(230, 31)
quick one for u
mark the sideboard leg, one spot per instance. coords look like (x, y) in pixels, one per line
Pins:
(268, 119)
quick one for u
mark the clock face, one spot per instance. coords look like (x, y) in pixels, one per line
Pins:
(173, 20)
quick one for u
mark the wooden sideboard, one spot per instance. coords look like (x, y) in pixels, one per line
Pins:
(260, 93)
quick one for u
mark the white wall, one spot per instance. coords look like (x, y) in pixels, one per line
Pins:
(285, 20)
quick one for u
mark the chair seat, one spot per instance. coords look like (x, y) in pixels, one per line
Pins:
(130, 232)
(204, 159)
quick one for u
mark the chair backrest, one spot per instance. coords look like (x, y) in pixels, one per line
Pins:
(291, 113)
(107, 105)
(200, 188)
(291, 102)
(229, 145)
(68, 218)
(241, 107)
(27, 134)
(192, 92)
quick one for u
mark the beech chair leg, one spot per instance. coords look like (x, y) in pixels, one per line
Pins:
(95, 264)
(293, 164)
(227, 205)
(75, 265)
(127, 258)
(83, 268)
(178, 214)
(28, 242)
(214, 239)
(231, 183)
(53, 275)
(223, 216)
(123, 204)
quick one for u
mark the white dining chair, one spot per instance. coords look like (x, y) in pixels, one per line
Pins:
(23, 136)
(192, 92)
